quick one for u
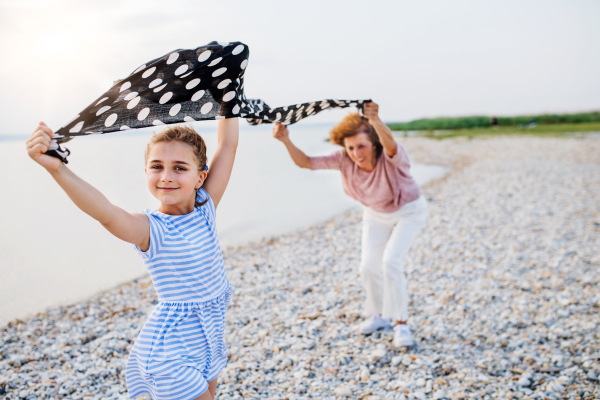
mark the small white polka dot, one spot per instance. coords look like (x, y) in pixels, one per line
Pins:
(165, 97)
(138, 70)
(181, 69)
(219, 72)
(352, 104)
(103, 109)
(157, 122)
(238, 49)
(172, 58)
(206, 108)
(158, 89)
(244, 64)
(174, 110)
(112, 118)
(130, 96)
(134, 102)
(236, 109)
(215, 61)
(223, 83)
(192, 84)
(155, 83)
(204, 56)
(124, 127)
(100, 101)
(77, 127)
(188, 119)
(198, 95)
(186, 75)
(228, 96)
(143, 114)
(125, 86)
(223, 43)
(148, 72)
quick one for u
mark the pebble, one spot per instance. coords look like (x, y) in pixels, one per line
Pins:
(343, 391)
(504, 283)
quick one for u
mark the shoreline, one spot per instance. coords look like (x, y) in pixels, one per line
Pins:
(503, 281)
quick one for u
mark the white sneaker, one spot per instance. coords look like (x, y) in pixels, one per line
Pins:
(373, 323)
(402, 336)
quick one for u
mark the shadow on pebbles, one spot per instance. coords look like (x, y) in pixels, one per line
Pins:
(504, 287)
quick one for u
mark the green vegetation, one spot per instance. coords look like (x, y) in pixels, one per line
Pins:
(537, 130)
(485, 122)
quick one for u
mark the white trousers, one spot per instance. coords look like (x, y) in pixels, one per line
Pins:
(386, 239)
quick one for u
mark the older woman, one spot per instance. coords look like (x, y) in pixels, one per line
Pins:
(375, 171)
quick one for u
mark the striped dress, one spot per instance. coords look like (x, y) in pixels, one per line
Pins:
(181, 347)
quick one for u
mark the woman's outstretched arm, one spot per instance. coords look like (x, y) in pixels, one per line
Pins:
(281, 133)
(132, 228)
(221, 165)
(383, 131)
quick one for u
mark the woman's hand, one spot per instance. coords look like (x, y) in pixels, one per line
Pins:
(371, 112)
(281, 133)
(38, 144)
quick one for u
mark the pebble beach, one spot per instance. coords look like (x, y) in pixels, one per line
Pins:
(504, 288)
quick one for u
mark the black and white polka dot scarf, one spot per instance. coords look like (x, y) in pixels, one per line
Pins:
(206, 83)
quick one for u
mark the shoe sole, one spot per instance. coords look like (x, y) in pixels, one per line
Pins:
(368, 333)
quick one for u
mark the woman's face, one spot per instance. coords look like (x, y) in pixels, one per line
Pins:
(172, 173)
(360, 149)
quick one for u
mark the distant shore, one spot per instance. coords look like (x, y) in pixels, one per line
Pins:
(504, 285)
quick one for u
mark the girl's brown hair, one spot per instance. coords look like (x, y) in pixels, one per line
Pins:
(351, 125)
(184, 134)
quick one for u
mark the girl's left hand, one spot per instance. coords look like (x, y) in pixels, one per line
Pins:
(371, 111)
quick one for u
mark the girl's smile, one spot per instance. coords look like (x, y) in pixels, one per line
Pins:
(174, 176)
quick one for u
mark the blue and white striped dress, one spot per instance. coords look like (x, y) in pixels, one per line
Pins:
(181, 347)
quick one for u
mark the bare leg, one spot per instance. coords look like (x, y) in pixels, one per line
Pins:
(212, 387)
(210, 393)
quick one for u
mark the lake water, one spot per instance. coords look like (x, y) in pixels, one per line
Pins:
(52, 253)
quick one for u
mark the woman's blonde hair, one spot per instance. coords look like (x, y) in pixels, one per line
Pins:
(351, 125)
(184, 134)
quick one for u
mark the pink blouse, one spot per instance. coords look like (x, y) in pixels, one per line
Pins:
(385, 189)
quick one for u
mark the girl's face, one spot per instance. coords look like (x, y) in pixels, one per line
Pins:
(360, 149)
(173, 176)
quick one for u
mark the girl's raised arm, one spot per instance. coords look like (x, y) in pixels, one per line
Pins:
(132, 228)
(222, 162)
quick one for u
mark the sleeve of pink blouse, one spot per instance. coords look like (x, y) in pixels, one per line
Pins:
(330, 161)
(399, 159)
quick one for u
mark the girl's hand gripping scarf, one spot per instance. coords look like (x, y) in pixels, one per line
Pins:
(205, 83)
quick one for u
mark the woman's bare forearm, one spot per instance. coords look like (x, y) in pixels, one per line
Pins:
(385, 137)
(298, 156)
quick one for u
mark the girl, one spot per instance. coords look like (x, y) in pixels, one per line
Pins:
(375, 171)
(181, 349)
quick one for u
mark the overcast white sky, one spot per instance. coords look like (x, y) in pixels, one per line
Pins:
(416, 59)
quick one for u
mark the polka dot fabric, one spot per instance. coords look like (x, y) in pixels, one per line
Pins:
(205, 83)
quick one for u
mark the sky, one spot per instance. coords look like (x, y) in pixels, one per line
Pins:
(416, 59)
